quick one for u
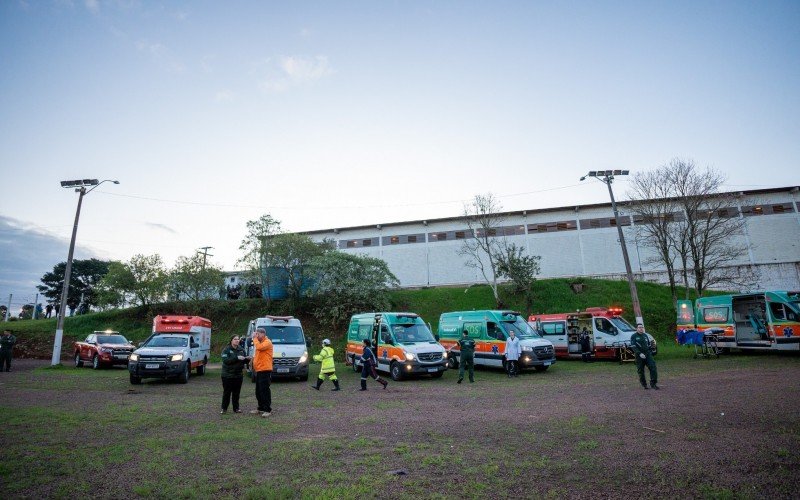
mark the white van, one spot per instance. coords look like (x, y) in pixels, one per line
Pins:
(290, 346)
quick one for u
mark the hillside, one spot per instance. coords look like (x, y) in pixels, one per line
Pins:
(231, 317)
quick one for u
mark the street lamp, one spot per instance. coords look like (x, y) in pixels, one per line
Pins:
(80, 186)
(607, 177)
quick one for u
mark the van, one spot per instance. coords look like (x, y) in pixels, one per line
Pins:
(404, 344)
(609, 333)
(490, 329)
(177, 345)
(289, 346)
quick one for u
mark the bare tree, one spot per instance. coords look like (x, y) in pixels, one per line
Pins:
(256, 258)
(481, 247)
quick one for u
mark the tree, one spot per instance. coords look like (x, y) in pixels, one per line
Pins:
(256, 257)
(86, 275)
(521, 269)
(292, 253)
(142, 280)
(195, 279)
(481, 248)
(346, 284)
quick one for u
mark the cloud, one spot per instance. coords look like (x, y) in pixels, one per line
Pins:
(292, 71)
(162, 227)
(92, 5)
(26, 254)
(161, 55)
(225, 96)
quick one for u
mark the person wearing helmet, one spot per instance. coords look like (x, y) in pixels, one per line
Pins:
(328, 368)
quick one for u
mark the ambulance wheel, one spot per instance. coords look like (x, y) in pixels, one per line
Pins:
(304, 378)
(201, 370)
(96, 362)
(136, 380)
(396, 371)
(452, 363)
(78, 362)
(541, 368)
(184, 377)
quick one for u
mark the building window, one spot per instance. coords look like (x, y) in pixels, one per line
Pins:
(394, 240)
(604, 222)
(778, 208)
(352, 244)
(460, 235)
(367, 243)
(412, 238)
(552, 227)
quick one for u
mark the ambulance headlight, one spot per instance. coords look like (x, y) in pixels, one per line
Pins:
(304, 357)
(176, 357)
(409, 356)
(134, 357)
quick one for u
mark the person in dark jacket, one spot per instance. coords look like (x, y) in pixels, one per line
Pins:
(7, 341)
(368, 364)
(466, 347)
(586, 346)
(640, 345)
(233, 361)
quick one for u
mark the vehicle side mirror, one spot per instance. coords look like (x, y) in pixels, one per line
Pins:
(436, 336)
(195, 345)
(308, 343)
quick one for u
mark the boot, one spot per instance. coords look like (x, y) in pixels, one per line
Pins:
(654, 385)
(385, 383)
(460, 379)
(336, 386)
(319, 384)
(363, 385)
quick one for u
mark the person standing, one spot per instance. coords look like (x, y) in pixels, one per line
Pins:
(262, 365)
(233, 361)
(48, 310)
(466, 347)
(328, 369)
(368, 364)
(586, 346)
(641, 347)
(513, 351)
(7, 341)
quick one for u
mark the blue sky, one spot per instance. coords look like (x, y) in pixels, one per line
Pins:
(332, 114)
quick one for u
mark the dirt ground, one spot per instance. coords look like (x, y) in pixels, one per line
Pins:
(722, 428)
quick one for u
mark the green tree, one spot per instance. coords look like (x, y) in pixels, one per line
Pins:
(142, 280)
(195, 279)
(86, 275)
(255, 247)
(521, 269)
(345, 284)
(292, 253)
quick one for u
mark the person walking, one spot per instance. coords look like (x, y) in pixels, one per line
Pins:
(368, 364)
(7, 341)
(586, 346)
(512, 353)
(262, 365)
(233, 361)
(48, 309)
(328, 369)
(641, 347)
(466, 347)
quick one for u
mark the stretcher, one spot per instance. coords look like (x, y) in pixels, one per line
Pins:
(705, 343)
(624, 351)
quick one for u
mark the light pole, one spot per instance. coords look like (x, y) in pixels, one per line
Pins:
(607, 177)
(80, 186)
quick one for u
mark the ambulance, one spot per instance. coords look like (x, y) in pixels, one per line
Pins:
(289, 346)
(490, 329)
(404, 344)
(758, 321)
(608, 332)
(178, 345)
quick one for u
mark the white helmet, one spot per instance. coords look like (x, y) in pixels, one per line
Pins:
(326, 342)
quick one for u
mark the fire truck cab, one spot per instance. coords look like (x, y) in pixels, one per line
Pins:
(608, 332)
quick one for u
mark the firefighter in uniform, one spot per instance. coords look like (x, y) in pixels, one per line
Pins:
(467, 347)
(7, 341)
(368, 364)
(328, 369)
(640, 345)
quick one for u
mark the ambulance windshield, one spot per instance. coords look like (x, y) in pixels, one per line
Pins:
(409, 334)
(285, 334)
(521, 329)
(622, 325)
(161, 341)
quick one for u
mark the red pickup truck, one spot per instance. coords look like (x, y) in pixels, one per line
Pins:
(103, 349)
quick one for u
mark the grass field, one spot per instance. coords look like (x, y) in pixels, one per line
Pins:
(719, 428)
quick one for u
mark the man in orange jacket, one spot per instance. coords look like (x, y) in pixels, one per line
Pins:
(262, 365)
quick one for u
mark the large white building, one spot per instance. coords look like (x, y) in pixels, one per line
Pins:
(577, 240)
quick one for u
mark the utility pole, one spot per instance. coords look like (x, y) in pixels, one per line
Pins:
(205, 255)
(8, 309)
(35, 307)
(607, 177)
(80, 186)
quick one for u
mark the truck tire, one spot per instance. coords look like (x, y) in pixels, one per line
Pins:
(184, 376)
(452, 362)
(396, 371)
(201, 370)
(95, 362)
(304, 378)
(78, 361)
(135, 380)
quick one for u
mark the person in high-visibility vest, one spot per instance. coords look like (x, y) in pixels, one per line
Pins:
(328, 369)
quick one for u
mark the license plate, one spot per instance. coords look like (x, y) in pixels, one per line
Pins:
(548, 363)
(121, 356)
(283, 370)
(151, 366)
(433, 370)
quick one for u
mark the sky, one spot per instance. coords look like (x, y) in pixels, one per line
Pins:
(335, 114)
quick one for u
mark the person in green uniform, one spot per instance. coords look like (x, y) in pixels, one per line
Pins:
(641, 347)
(233, 361)
(467, 347)
(7, 341)
(328, 368)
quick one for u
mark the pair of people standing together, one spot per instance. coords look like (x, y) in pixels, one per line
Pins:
(466, 348)
(234, 359)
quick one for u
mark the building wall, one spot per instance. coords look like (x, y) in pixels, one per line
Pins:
(575, 241)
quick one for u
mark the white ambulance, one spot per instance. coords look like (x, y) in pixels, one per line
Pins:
(289, 346)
